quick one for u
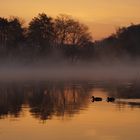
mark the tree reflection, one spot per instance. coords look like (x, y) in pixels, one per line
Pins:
(44, 101)
(10, 101)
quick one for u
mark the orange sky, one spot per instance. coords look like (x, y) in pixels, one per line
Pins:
(102, 16)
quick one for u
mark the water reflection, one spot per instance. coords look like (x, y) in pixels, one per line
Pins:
(129, 90)
(46, 100)
(132, 104)
(48, 110)
(128, 94)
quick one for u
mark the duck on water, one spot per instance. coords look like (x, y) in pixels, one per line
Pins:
(110, 99)
(98, 99)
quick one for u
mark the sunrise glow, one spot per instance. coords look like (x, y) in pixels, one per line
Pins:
(103, 17)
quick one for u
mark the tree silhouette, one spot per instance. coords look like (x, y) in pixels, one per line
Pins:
(129, 39)
(71, 36)
(3, 32)
(66, 37)
(125, 41)
(70, 31)
(15, 33)
(41, 32)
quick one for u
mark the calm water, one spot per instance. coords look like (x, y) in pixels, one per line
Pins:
(64, 111)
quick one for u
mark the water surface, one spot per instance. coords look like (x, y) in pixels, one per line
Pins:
(65, 111)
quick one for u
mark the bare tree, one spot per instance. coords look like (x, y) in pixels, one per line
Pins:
(70, 31)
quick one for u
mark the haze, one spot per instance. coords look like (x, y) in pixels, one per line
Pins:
(66, 72)
(103, 17)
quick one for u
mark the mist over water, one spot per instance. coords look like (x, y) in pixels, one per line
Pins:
(95, 71)
(42, 100)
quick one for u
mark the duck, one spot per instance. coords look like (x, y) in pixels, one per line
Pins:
(110, 99)
(97, 99)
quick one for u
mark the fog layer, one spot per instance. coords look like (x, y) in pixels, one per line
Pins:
(95, 72)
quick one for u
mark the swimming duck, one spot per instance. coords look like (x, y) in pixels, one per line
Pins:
(110, 99)
(97, 99)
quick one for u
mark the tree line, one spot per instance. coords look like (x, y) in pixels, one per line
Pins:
(43, 36)
(125, 42)
(47, 37)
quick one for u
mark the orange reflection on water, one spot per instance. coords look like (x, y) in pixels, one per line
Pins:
(98, 120)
